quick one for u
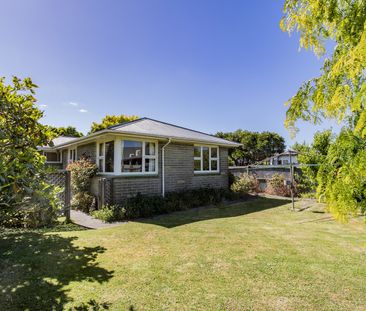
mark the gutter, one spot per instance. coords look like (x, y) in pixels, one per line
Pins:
(163, 166)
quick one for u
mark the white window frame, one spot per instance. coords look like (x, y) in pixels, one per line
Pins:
(210, 158)
(102, 157)
(71, 155)
(144, 157)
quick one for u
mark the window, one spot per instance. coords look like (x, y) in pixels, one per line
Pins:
(72, 155)
(52, 156)
(206, 159)
(106, 157)
(139, 157)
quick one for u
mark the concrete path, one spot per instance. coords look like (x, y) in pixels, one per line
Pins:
(87, 221)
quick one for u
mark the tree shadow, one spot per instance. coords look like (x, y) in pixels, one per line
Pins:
(206, 213)
(35, 268)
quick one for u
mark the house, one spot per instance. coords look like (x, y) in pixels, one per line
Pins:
(147, 156)
(285, 158)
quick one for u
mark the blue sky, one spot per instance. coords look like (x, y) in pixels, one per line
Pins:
(207, 65)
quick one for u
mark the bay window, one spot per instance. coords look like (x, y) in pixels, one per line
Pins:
(139, 157)
(206, 159)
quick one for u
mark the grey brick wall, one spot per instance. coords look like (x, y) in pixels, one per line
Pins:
(179, 175)
(88, 150)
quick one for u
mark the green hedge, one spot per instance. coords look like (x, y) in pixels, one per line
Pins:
(148, 206)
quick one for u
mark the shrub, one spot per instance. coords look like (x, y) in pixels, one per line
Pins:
(110, 213)
(244, 184)
(147, 206)
(276, 186)
(81, 173)
(82, 201)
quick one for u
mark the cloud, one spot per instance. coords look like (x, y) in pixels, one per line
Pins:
(43, 106)
(73, 104)
(83, 110)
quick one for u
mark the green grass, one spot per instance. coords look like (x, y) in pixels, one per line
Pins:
(254, 255)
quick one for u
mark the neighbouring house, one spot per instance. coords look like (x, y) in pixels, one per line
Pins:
(147, 156)
(284, 158)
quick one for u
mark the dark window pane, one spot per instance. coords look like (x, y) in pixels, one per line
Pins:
(214, 165)
(52, 157)
(101, 150)
(213, 152)
(206, 163)
(101, 165)
(197, 152)
(109, 156)
(197, 165)
(149, 165)
(132, 156)
(149, 148)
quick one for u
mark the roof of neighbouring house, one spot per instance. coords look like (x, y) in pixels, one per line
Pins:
(286, 153)
(59, 141)
(147, 127)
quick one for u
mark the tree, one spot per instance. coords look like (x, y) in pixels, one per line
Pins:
(69, 131)
(339, 92)
(110, 120)
(256, 146)
(314, 153)
(22, 186)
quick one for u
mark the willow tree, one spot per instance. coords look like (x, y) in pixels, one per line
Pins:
(339, 92)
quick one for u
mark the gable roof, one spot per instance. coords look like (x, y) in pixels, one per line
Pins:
(146, 127)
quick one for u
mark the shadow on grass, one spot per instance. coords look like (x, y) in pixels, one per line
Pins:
(35, 268)
(206, 213)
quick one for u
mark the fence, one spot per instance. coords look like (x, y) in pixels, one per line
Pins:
(62, 179)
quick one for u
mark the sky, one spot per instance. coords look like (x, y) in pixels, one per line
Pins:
(207, 65)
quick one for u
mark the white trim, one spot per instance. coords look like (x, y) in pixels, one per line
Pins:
(210, 159)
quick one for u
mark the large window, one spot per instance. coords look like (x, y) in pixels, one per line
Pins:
(206, 159)
(139, 157)
(106, 157)
(72, 155)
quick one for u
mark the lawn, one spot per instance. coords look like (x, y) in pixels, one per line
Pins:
(254, 255)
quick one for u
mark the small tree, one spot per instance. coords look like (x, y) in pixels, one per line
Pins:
(244, 184)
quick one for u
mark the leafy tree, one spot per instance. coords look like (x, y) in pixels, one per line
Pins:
(66, 131)
(23, 192)
(339, 92)
(110, 120)
(315, 153)
(256, 146)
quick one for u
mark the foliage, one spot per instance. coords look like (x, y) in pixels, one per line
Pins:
(276, 186)
(24, 193)
(256, 146)
(314, 153)
(142, 206)
(81, 173)
(69, 131)
(110, 120)
(342, 175)
(339, 92)
(244, 184)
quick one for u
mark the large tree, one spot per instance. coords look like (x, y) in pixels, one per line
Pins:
(22, 186)
(110, 120)
(256, 146)
(69, 131)
(339, 92)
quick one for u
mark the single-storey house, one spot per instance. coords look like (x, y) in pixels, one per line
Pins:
(284, 158)
(147, 156)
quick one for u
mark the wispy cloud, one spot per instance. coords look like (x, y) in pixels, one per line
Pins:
(75, 104)
(83, 110)
(43, 106)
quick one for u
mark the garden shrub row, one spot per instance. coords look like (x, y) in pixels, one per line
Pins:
(148, 206)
